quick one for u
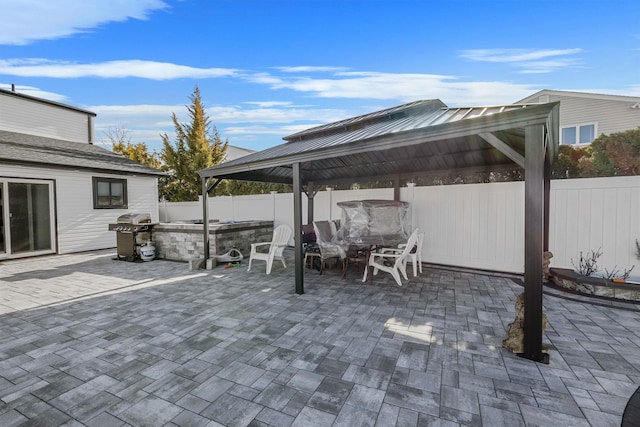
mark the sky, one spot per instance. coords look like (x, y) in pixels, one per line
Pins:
(270, 68)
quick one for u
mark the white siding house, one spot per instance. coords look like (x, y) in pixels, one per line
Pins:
(59, 192)
(34, 116)
(585, 116)
(234, 152)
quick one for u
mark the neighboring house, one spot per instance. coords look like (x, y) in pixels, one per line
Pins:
(58, 191)
(585, 116)
(234, 152)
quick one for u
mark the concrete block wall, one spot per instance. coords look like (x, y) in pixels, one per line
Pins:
(240, 236)
(178, 243)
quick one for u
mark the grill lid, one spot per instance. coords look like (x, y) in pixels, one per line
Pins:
(134, 218)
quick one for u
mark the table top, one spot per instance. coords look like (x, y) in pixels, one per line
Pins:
(388, 240)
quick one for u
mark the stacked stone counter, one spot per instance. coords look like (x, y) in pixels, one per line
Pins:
(183, 241)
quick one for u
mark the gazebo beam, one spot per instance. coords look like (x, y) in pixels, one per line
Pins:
(501, 146)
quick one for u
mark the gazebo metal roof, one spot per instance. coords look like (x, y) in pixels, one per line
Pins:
(411, 140)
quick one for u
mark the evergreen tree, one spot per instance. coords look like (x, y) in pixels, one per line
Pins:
(231, 187)
(197, 146)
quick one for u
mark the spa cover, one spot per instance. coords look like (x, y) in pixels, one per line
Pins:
(374, 222)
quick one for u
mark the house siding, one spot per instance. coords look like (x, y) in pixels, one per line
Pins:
(80, 227)
(611, 115)
(35, 118)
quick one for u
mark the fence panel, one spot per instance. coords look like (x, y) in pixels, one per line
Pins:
(475, 225)
(589, 214)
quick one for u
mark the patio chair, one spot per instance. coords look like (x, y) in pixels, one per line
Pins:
(355, 254)
(415, 255)
(397, 260)
(308, 236)
(325, 231)
(279, 241)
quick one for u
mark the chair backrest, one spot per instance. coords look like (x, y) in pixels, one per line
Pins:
(324, 238)
(308, 234)
(281, 235)
(411, 242)
(323, 231)
(420, 242)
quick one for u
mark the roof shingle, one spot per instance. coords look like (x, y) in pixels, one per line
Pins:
(17, 148)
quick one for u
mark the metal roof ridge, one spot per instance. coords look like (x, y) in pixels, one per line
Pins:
(286, 153)
(351, 121)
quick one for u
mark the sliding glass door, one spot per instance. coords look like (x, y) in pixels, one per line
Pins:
(3, 193)
(28, 215)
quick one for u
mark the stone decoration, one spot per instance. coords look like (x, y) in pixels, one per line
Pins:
(515, 330)
(546, 260)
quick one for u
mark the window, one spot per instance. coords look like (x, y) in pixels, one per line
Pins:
(109, 193)
(579, 134)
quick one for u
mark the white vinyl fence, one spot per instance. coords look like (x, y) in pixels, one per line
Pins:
(475, 225)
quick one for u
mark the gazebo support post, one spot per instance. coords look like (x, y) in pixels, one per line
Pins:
(547, 202)
(205, 213)
(310, 192)
(297, 227)
(396, 187)
(534, 205)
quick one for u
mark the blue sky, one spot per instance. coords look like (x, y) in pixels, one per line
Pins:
(269, 68)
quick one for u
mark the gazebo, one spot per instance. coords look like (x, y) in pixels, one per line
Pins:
(417, 139)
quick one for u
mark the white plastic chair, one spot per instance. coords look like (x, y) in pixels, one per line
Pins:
(398, 260)
(414, 256)
(279, 241)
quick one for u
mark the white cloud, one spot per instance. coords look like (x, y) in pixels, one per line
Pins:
(34, 91)
(38, 67)
(267, 104)
(401, 87)
(340, 84)
(26, 21)
(242, 125)
(515, 55)
(539, 67)
(279, 131)
(310, 69)
(128, 116)
(532, 61)
(287, 114)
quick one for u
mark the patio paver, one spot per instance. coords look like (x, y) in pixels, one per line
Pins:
(87, 340)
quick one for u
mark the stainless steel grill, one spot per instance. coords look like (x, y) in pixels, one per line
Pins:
(134, 218)
(128, 227)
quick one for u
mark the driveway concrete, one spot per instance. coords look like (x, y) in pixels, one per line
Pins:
(88, 340)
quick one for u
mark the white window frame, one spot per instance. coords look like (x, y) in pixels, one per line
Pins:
(577, 129)
(7, 218)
